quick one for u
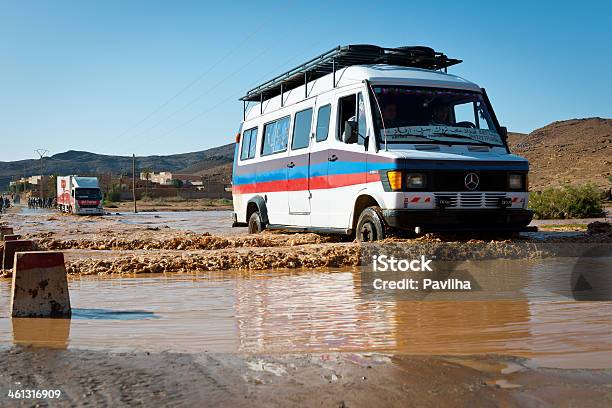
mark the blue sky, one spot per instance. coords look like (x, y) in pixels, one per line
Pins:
(161, 77)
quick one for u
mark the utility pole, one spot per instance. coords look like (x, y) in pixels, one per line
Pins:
(134, 181)
(41, 153)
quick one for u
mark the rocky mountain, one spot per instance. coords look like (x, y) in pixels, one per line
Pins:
(78, 162)
(573, 151)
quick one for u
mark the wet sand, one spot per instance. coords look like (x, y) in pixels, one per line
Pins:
(98, 378)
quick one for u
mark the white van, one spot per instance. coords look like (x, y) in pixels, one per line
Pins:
(363, 139)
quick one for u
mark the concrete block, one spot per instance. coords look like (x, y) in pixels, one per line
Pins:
(40, 287)
(5, 231)
(10, 247)
(11, 237)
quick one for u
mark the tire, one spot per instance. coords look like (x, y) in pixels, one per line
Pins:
(255, 223)
(370, 226)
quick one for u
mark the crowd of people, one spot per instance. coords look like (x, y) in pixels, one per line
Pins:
(39, 202)
(5, 203)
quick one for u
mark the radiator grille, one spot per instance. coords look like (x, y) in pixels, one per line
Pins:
(471, 199)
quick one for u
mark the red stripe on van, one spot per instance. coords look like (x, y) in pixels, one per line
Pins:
(316, 183)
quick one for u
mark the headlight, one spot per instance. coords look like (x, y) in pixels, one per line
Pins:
(415, 180)
(395, 179)
(515, 181)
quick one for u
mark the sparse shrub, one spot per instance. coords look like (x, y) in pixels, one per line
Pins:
(567, 202)
(113, 196)
(145, 197)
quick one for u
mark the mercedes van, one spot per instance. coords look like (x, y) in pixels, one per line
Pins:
(363, 140)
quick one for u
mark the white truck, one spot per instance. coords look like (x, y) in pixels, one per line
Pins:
(79, 195)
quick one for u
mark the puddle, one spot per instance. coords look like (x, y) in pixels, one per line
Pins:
(328, 310)
(108, 314)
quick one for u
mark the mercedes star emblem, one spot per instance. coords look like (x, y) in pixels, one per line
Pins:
(471, 181)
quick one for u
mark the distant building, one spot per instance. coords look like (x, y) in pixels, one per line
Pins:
(165, 178)
(33, 180)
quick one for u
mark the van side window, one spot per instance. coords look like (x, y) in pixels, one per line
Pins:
(275, 136)
(249, 143)
(323, 122)
(347, 108)
(361, 120)
(301, 129)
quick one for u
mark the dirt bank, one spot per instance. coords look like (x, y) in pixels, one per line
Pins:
(334, 379)
(171, 204)
(108, 245)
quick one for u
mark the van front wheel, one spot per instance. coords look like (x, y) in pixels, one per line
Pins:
(255, 224)
(370, 226)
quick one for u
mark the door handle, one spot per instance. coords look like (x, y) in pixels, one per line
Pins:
(332, 158)
(291, 165)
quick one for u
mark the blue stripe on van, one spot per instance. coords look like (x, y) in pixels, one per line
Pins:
(319, 169)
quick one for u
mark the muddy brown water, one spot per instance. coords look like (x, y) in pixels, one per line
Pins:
(329, 310)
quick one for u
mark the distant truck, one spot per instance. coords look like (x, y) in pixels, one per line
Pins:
(79, 195)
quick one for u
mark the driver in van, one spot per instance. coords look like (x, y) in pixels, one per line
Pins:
(390, 115)
(440, 116)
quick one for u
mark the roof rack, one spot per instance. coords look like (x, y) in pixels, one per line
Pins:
(345, 56)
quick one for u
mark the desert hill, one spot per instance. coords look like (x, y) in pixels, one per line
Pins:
(571, 151)
(79, 162)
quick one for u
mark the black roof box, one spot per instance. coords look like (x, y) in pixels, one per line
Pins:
(345, 56)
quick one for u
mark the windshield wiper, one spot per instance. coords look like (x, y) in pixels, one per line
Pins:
(460, 136)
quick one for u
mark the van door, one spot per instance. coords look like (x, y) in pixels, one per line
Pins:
(298, 167)
(272, 169)
(319, 153)
(347, 171)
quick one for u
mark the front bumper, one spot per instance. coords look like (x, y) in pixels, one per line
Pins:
(89, 211)
(460, 220)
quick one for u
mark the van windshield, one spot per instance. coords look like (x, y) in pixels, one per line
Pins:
(433, 115)
(87, 194)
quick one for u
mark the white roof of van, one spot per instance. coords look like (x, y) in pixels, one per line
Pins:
(389, 74)
(376, 74)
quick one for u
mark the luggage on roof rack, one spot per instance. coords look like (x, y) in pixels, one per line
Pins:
(346, 56)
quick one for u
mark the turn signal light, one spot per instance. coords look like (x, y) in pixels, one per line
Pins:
(395, 179)
(238, 137)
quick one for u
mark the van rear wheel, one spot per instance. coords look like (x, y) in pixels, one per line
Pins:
(370, 226)
(255, 223)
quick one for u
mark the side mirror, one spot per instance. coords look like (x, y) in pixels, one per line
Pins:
(504, 132)
(350, 132)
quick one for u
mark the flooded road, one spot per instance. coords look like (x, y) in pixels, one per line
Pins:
(215, 222)
(324, 311)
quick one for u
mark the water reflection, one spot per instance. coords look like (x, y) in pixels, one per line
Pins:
(522, 314)
(109, 314)
(36, 332)
(55, 333)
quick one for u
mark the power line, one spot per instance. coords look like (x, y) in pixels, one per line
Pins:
(199, 77)
(42, 153)
(236, 95)
(200, 96)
